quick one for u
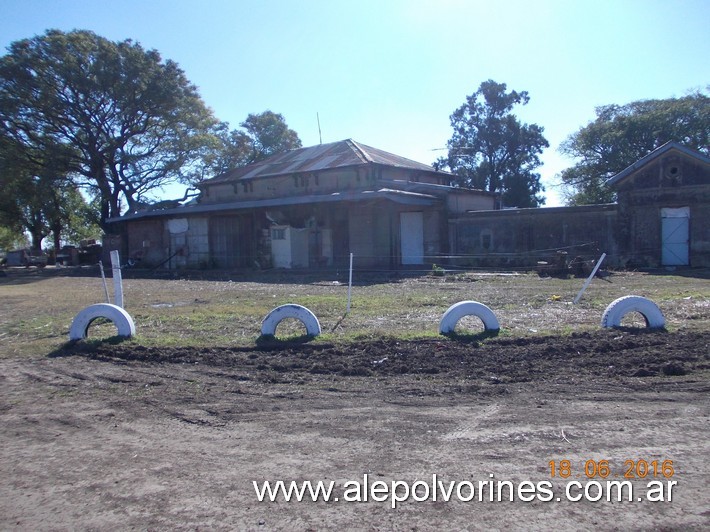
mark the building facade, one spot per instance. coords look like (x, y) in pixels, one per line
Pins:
(307, 208)
(312, 207)
(661, 219)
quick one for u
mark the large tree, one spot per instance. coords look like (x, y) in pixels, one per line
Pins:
(37, 198)
(132, 121)
(622, 134)
(11, 239)
(263, 135)
(492, 150)
(31, 203)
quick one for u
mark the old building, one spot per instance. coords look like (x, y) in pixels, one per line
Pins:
(661, 219)
(664, 209)
(312, 207)
(309, 207)
(520, 238)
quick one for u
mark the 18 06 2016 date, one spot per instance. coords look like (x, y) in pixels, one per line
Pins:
(631, 469)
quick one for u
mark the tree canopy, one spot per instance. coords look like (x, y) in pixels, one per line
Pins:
(265, 134)
(11, 239)
(492, 150)
(622, 134)
(128, 121)
(38, 199)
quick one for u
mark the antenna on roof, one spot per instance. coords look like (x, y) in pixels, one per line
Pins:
(319, 133)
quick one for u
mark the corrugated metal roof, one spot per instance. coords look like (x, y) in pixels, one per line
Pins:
(397, 196)
(389, 159)
(322, 157)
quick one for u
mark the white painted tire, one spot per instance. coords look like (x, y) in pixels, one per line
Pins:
(616, 311)
(301, 313)
(468, 308)
(120, 318)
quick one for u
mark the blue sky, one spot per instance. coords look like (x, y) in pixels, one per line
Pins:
(388, 73)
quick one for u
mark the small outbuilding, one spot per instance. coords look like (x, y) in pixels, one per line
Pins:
(663, 203)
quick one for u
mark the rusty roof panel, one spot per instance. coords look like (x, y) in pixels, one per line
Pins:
(325, 162)
(322, 157)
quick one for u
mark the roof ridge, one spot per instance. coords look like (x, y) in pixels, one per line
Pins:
(359, 150)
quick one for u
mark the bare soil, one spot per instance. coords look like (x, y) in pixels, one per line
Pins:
(123, 436)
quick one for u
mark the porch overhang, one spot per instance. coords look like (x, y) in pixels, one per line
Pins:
(397, 196)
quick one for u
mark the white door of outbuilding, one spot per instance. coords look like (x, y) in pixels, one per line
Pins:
(675, 236)
(412, 237)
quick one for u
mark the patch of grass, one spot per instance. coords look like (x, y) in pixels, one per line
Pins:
(36, 315)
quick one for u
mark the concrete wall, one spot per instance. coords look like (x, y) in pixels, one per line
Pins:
(174, 243)
(290, 249)
(188, 248)
(630, 232)
(462, 201)
(336, 180)
(700, 233)
(375, 234)
(521, 237)
(370, 231)
(146, 244)
(324, 182)
(640, 224)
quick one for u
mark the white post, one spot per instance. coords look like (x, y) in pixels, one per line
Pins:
(589, 279)
(103, 277)
(350, 284)
(117, 280)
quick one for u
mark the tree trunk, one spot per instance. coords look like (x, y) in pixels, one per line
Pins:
(115, 204)
(56, 234)
(37, 236)
(105, 211)
(36, 230)
(98, 174)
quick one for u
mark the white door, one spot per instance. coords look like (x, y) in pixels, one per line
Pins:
(675, 224)
(412, 237)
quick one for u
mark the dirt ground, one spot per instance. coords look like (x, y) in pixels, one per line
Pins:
(119, 436)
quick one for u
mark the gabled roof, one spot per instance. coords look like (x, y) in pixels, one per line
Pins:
(668, 146)
(322, 157)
